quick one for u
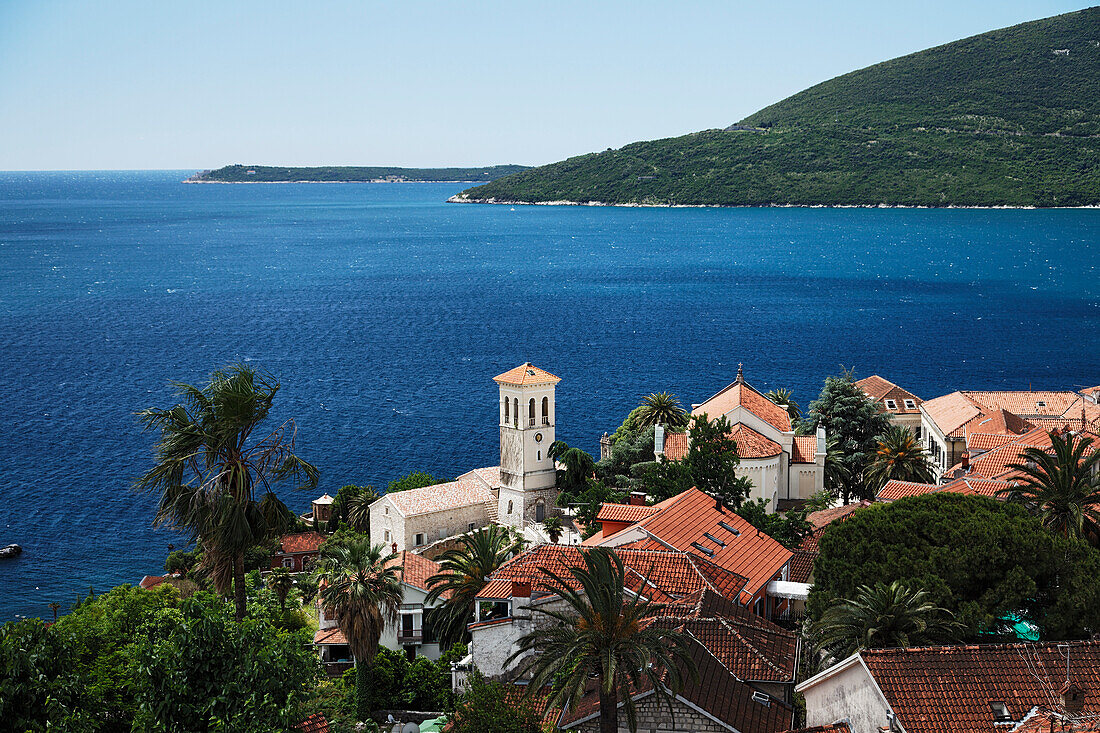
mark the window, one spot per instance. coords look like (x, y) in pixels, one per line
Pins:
(288, 562)
(891, 405)
(515, 411)
(387, 510)
(540, 511)
(509, 507)
(705, 550)
(910, 405)
(387, 535)
(1041, 403)
(507, 416)
(762, 698)
(545, 410)
(730, 528)
(419, 539)
(1000, 712)
(714, 539)
(538, 455)
(470, 527)
(531, 410)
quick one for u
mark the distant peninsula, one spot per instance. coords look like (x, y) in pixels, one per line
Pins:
(351, 174)
(1006, 118)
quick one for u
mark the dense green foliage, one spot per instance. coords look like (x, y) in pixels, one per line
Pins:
(995, 119)
(351, 174)
(981, 559)
(488, 708)
(348, 507)
(414, 480)
(712, 460)
(1064, 485)
(421, 684)
(788, 528)
(146, 660)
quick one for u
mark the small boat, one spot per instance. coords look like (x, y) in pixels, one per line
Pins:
(11, 550)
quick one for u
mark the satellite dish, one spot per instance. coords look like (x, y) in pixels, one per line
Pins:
(410, 728)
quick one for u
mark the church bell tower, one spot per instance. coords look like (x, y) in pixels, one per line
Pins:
(528, 479)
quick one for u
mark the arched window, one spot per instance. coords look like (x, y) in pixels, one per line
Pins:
(507, 417)
(515, 411)
(509, 507)
(545, 410)
(540, 511)
(531, 411)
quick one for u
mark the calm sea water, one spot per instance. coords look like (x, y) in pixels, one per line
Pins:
(386, 313)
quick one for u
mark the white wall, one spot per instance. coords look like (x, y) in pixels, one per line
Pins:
(849, 693)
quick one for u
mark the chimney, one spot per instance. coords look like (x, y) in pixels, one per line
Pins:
(1073, 698)
(521, 589)
(965, 458)
(637, 498)
(718, 504)
(658, 440)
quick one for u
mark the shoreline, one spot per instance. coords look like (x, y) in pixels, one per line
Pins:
(253, 183)
(494, 202)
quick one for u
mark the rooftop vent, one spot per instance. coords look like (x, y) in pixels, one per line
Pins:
(730, 528)
(1041, 403)
(705, 550)
(762, 698)
(714, 539)
(1000, 712)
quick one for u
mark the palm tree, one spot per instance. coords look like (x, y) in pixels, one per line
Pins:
(54, 606)
(837, 474)
(209, 471)
(554, 528)
(663, 408)
(782, 397)
(361, 585)
(359, 509)
(1065, 486)
(899, 456)
(462, 574)
(607, 634)
(893, 615)
(280, 582)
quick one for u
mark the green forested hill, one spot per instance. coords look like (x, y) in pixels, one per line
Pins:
(1005, 118)
(348, 174)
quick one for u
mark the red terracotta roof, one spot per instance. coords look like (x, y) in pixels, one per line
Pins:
(676, 446)
(751, 444)
(951, 412)
(880, 390)
(954, 411)
(330, 636)
(686, 519)
(152, 581)
(624, 512)
(804, 449)
(840, 727)
(313, 724)
(416, 569)
(1045, 720)
(802, 564)
(740, 394)
(949, 688)
(301, 542)
(977, 443)
(994, 464)
(824, 517)
(893, 489)
(998, 422)
(526, 374)
(496, 590)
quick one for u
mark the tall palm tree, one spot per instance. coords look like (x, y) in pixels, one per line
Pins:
(280, 582)
(663, 408)
(462, 574)
(893, 615)
(214, 479)
(1065, 486)
(606, 633)
(359, 509)
(361, 585)
(782, 397)
(899, 456)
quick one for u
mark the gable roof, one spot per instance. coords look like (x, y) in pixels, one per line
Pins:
(416, 569)
(525, 375)
(300, 542)
(741, 394)
(330, 636)
(685, 520)
(953, 411)
(676, 446)
(468, 489)
(950, 412)
(949, 688)
(804, 449)
(880, 390)
(316, 723)
(625, 512)
(994, 464)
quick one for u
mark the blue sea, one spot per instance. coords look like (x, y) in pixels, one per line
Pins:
(386, 312)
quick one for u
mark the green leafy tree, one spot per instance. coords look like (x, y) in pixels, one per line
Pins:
(40, 687)
(605, 634)
(1064, 487)
(214, 479)
(463, 570)
(899, 456)
(664, 479)
(783, 398)
(662, 408)
(587, 505)
(280, 582)
(414, 480)
(351, 506)
(578, 468)
(789, 529)
(981, 559)
(487, 707)
(886, 615)
(848, 414)
(712, 460)
(837, 475)
(630, 450)
(361, 586)
(630, 426)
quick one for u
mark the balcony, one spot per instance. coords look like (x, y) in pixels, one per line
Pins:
(410, 637)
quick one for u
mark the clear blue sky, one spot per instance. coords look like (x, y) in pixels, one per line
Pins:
(194, 84)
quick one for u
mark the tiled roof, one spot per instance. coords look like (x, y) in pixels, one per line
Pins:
(687, 518)
(152, 581)
(330, 636)
(998, 422)
(676, 446)
(301, 542)
(489, 476)
(496, 590)
(1025, 402)
(951, 412)
(740, 394)
(316, 723)
(324, 499)
(804, 449)
(949, 688)
(467, 490)
(751, 444)
(977, 443)
(825, 517)
(840, 727)
(802, 564)
(1045, 720)
(994, 464)
(954, 411)
(624, 512)
(526, 374)
(880, 390)
(894, 490)
(673, 574)
(416, 569)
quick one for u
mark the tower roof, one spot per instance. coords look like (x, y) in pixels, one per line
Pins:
(526, 374)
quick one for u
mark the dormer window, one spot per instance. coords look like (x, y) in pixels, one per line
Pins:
(730, 528)
(891, 405)
(1000, 712)
(910, 405)
(762, 698)
(1041, 404)
(705, 550)
(714, 539)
